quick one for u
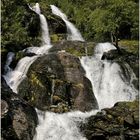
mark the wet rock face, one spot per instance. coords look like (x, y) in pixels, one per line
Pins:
(57, 82)
(118, 122)
(18, 118)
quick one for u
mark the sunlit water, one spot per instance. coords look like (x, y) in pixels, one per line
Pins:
(73, 32)
(108, 87)
(108, 83)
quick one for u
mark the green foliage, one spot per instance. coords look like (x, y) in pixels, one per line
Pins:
(130, 45)
(19, 25)
(95, 19)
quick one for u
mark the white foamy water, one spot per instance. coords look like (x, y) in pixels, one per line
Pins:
(53, 126)
(43, 24)
(108, 87)
(73, 33)
(13, 78)
(109, 84)
(45, 30)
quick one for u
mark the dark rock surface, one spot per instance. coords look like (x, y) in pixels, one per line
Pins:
(57, 82)
(18, 118)
(120, 122)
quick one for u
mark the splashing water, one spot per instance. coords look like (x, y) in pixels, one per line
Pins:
(73, 33)
(14, 78)
(108, 88)
(53, 126)
(36, 8)
(106, 78)
(108, 85)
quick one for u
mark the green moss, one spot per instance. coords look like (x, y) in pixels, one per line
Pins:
(54, 38)
(130, 45)
(34, 80)
(19, 55)
(57, 37)
(75, 51)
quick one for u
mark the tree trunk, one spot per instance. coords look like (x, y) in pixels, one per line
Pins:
(114, 39)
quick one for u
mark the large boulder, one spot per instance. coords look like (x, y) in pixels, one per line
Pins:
(57, 82)
(116, 123)
(18, 118)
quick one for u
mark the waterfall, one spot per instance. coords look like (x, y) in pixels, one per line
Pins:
(73, 33)
(45, 30)
(10, 57)
(14, 77)
(108, 83)
(108, 87)
(44, 25)
(53, 126)
(106, 77)
(46, 42)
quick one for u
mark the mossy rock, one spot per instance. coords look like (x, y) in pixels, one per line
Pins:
(114, 123)
(76, 48)
(130, 45)
(57, 81)
(19, 119)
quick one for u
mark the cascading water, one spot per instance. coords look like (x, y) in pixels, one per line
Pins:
(45, 31)
(108, 85)
(108, 88)
(46, 42)
(14, 78)
(73, 33)
(106, 77)
(53, 126)
(44, 25)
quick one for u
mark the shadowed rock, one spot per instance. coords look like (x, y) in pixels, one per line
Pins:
(18, 118)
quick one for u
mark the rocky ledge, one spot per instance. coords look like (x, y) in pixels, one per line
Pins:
(18, 118)
(120, 122)
(76, 48)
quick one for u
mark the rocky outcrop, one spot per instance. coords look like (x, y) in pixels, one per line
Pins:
(18, 118)
(76, 48)
(57, 82)
(116, 123)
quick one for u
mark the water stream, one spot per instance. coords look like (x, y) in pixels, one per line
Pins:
(108, 87)
(106, 77)
(73, 32)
